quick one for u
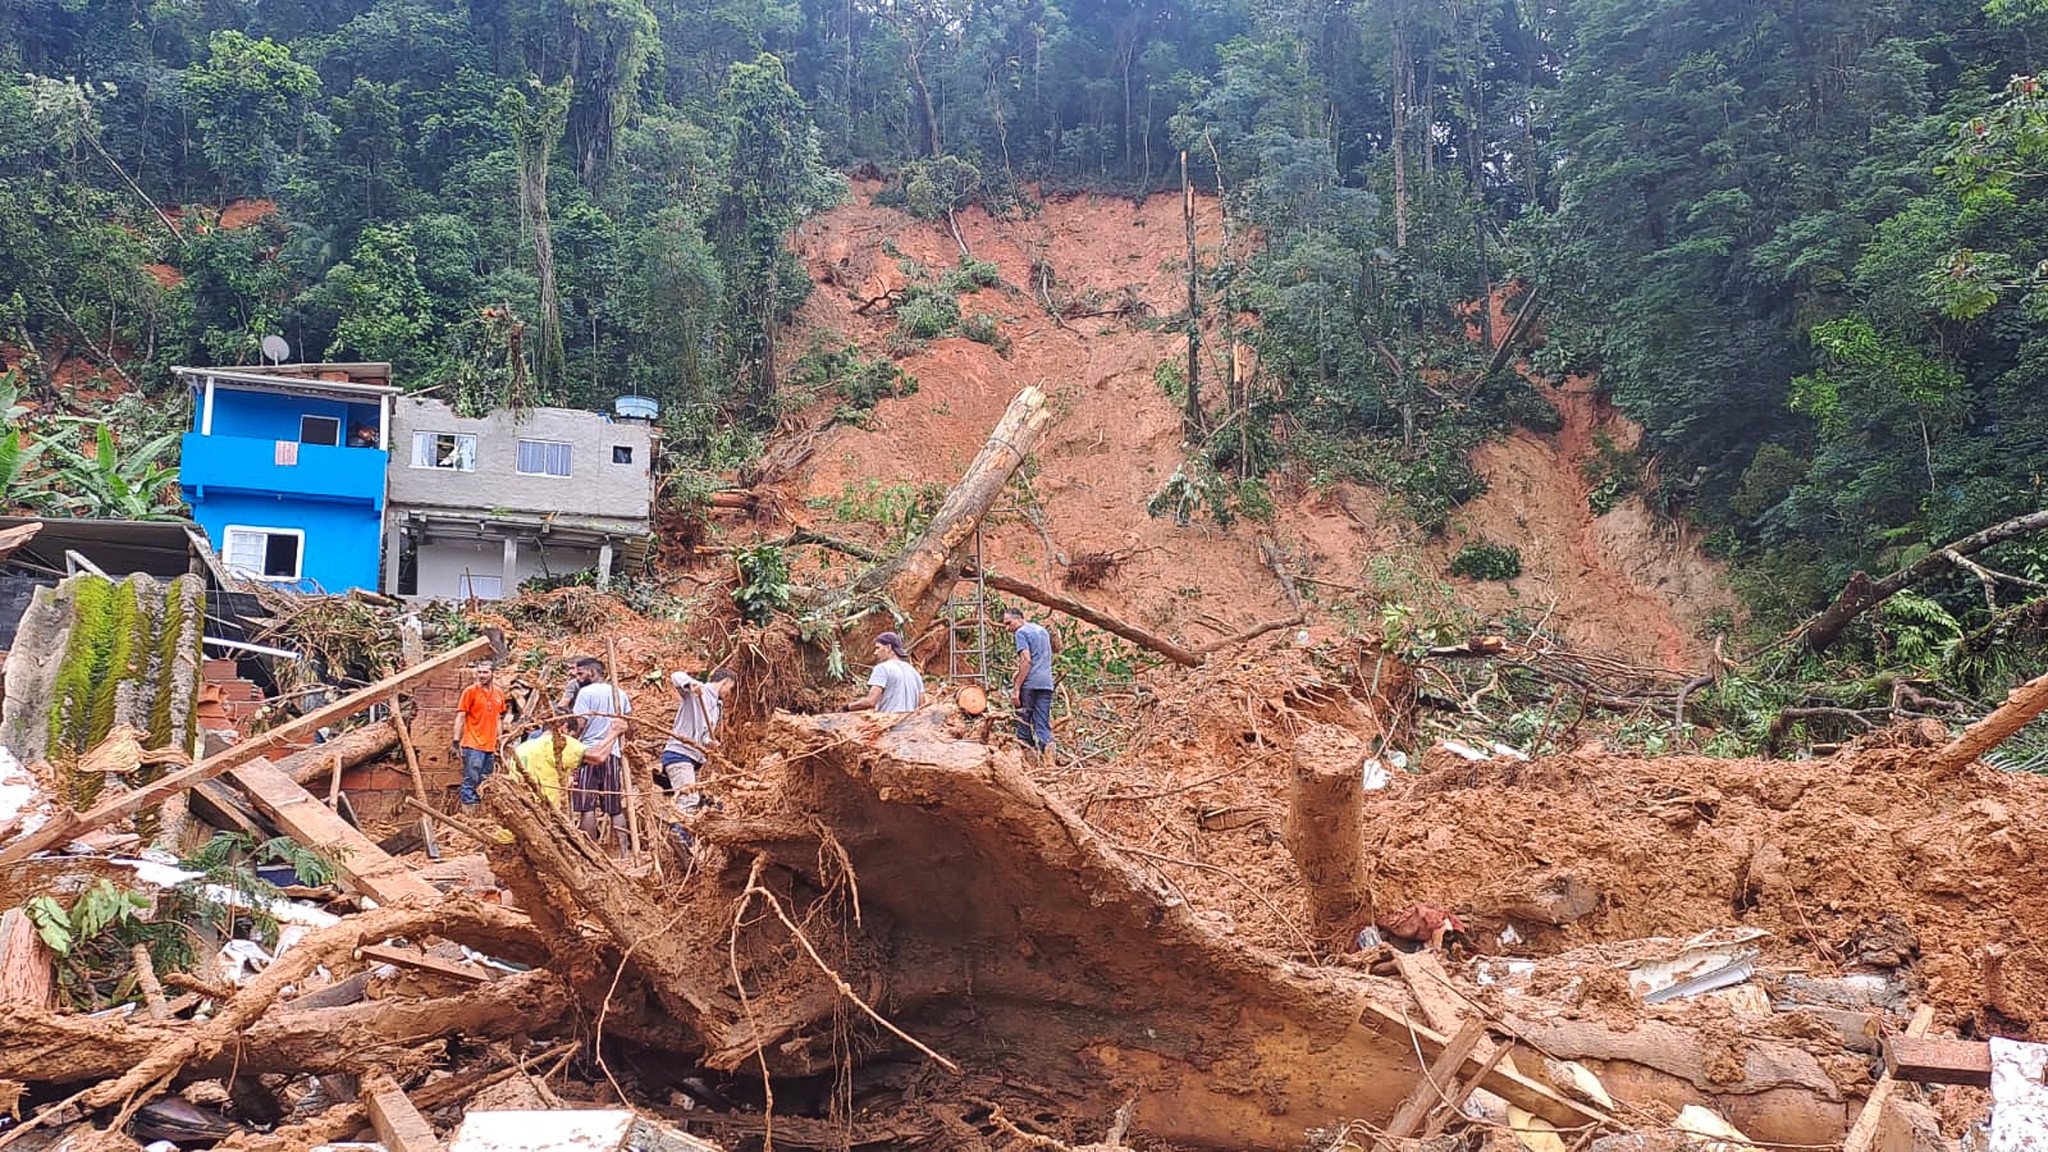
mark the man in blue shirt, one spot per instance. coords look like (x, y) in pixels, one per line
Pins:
(1033, 681)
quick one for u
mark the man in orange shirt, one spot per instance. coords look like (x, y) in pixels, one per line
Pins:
(476, 729)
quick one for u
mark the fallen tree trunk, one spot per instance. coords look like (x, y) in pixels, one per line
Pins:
(2021, 705)
(1046, 598)
(918, 582)
(487, 925)
(1863, 593)
(64, 1048)
(356, 747)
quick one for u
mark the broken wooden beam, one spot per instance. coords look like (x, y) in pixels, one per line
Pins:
(397, 1123)
(1437, 1082)
(359, 864)
(65, 827)
(1864, 1132)
(419, 961)
(1938, 1060)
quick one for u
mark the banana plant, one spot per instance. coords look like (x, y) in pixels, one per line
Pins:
(112, 485)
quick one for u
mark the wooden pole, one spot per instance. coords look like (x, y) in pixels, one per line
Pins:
(611, 653)
(1191, 420)
(419, 780)
(333, 784)
(66, 827)
(1865, 1131)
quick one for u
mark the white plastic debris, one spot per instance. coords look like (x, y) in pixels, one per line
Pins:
(1509, 937)
(1463, 751)
(2019, 1097)
(241, 959)
(607, 1130)
(20, 795)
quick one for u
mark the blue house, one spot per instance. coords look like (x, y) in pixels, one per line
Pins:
(285, 467)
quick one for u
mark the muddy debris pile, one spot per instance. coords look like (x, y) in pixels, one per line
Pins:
(1236, 916)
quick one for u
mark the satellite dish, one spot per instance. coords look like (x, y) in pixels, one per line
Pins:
(276, 350)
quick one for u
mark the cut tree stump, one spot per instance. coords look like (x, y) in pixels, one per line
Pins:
(1326, 826)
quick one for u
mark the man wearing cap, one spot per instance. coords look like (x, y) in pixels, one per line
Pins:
(699, 706)
(477, 716)
(894, 685)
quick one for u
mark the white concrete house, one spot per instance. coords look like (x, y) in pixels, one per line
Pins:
(479, 504)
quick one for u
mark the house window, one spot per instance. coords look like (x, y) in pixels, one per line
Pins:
(448, 451)
(319, 430)
(543, 458)
(622, 453)
(264, 553)
(470, 586)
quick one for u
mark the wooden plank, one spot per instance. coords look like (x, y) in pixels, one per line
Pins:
(1865, 1129)
(1455, 1105)
(65, 828)
(421, 962)
(1437, 1081)
(1938, 1060)
(399, 1125)
(362, 867)
(1511, 1086)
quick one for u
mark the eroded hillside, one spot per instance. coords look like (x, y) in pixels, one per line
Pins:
(1619, 582)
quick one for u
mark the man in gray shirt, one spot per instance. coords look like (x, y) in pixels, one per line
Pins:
(894, 685)
(1033, 680)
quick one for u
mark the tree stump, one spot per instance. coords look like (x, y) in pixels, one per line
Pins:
(1326, 825)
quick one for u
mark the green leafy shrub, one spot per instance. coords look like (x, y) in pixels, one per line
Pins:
(764, 582)
(1487, 561)
(860, 381)
(1612, 475)
(983, 328)
(926, 313)
(971, 275)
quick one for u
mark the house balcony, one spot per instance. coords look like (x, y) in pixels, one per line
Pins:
(282, 467)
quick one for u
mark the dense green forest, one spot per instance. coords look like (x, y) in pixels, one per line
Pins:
(1799, 241)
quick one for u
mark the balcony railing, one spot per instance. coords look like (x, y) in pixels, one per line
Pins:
(315, 471)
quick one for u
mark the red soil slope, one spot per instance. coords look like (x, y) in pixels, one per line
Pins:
(1117, 440)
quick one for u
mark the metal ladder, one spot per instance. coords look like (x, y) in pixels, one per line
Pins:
(968, 662)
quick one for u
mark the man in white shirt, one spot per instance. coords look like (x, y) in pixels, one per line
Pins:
(597, 790)
(700, 705)
(894, 685)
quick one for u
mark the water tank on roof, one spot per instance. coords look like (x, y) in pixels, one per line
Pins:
(642, 408)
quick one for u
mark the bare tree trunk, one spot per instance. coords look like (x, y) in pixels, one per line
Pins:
(1862, 593)
(918, 581)
(1400, 134)
(1193, 424)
